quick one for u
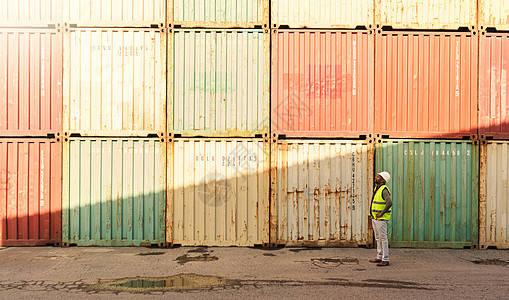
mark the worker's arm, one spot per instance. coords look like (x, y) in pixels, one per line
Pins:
(388, 201)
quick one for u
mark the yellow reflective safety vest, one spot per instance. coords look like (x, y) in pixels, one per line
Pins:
(378, 204)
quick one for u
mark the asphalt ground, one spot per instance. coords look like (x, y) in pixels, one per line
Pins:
(252, 273)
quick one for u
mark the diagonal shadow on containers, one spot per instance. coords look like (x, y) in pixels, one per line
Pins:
(300, 193)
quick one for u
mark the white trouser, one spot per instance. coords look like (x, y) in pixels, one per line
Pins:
(382, 243)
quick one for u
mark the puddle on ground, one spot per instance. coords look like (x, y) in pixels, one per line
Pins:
(172, 283)
(492, 262)
(151, 253)
(186, 258)
(297, 250)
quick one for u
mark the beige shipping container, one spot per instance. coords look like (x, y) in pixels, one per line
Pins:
(494, 13)
(494, 195)
(30, 13)
(218, 192)
(322, 13)
(321, 192)
(114, 13)
(219, 82)
(426, 14)
(114, 82)
(219, 13)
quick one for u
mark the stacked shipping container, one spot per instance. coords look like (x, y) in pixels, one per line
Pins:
(218, 116)
(30, 123)
(171, 134)
(321, 97)
(114, 121)
(426, 87)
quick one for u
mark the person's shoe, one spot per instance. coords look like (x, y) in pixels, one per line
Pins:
(382, 264)
(375, 260)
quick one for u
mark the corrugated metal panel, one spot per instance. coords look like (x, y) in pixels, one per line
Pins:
(30, 82)
(494, 86)
(115, 82)
(121, 13)
(494, 13)
(220, 83)
(322, 83)
(435, 188)
(322, 193)
(494, 199)
(426, 84)
(30, 192)
(427, 14)
(322, 13)
(219, 13)
(30, 13)
(114, 192)
(218, 192)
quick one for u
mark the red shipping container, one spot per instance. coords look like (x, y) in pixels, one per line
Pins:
(30, 82)
(494, 86)
(322, 83)
(30, 192)
(426, 85)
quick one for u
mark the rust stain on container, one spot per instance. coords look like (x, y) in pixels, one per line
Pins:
(115, 82)
(322, 83)
(30, 82)
(426, 14)
(494, 13)
(322, 14)
(494, 86)
(30, 192)
(322, 192)
(426, 84)
(218, 192)
(218, 13)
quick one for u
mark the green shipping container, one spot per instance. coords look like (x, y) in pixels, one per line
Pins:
(434, 186)
(114, 192)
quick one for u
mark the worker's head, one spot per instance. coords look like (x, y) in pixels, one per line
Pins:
(382, 177)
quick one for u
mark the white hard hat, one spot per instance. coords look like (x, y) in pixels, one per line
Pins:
(385, 175)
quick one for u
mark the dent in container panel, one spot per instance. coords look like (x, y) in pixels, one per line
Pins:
(493, 198)
(114, 192)
(494, 86)
(219, 13)
(322, 13)
(426, 14)
(30, 192)
(219, 83)
(321, 192)
(435, 190)
(493, 14)
(30, 82)
(30, 13)
(218, 192)
(426, 84)
(322, 83)
(115, 82)
(115, 13)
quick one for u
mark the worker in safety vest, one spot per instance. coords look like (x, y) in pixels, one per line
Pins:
(380, 212)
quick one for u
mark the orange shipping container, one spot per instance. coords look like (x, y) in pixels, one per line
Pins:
(30, 192)
(494, 86)
(30, 82)
(322, 83)
(426, 85)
